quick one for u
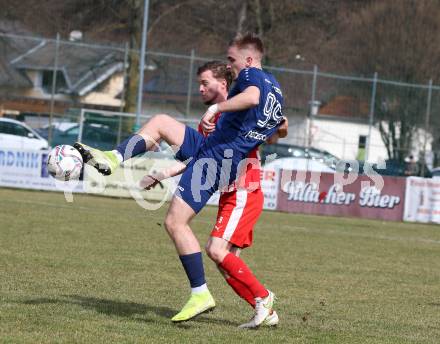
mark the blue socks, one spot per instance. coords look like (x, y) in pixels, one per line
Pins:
(193, 265)
(132, 146)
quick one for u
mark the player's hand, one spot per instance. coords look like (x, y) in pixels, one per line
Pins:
(149, 182)
(272, 139)
(207, 121)
(283, 128)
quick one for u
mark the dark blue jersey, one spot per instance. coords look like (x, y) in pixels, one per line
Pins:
(242, 131)
(220, 157)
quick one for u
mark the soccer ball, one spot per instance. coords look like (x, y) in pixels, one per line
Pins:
(64, 163)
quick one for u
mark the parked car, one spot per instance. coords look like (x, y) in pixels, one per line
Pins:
(95, 135)
(18, 135)
(398, 168)
(323, 156)
(62, 126)
(283, 150)
(435, 172)
(299, 164)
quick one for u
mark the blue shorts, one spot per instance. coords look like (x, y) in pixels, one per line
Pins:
(201, 178)
(190, 147)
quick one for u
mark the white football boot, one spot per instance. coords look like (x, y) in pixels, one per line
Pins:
(263, 309)
(271, 320)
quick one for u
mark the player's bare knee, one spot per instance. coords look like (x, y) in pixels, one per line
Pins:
(210, 252)
(216, 254)
(170, 224)
(155, 122)
(161, 118)
(161, 121)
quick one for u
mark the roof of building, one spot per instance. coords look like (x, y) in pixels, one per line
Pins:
(83, 68)
(346, 106)
(10, 77)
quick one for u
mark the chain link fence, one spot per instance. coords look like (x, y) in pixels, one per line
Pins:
(46, 80)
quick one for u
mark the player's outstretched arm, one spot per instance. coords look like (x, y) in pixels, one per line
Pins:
(247, 99)
(150, 180)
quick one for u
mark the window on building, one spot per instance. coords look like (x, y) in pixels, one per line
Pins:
(47, 79)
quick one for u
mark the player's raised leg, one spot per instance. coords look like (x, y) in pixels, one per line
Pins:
(159, 127)
(176, 222)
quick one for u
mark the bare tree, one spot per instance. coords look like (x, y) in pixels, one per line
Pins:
(400, 41)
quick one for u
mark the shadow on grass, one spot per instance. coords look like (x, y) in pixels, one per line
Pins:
(211, 320)
(204, 318)
(125, 309)
(104, 306)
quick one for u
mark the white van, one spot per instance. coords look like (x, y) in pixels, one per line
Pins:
(17, 135)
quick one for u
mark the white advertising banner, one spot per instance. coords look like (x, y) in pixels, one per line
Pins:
(269, 186)
(27, 169)
(125, 181)
(422, 200)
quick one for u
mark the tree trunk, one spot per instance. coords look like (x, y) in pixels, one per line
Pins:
(384, 133)
(242, 18)
(259, 19)
(135, 30)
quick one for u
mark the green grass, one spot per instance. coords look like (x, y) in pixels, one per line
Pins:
(103, 270)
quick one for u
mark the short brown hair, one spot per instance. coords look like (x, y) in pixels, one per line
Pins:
(248, 40)
(219, 70)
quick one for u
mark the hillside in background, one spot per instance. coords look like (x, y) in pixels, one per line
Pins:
(298, 33)
(393, 37)
(398, 39)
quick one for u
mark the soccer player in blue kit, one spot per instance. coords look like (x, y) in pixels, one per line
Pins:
(250, 115)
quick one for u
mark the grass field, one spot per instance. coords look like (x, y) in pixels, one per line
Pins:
(102, 270)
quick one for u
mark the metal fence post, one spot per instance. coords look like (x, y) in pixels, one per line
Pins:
(312, 106)
(124, 81)
(190, 79)
(54, 86)
(371, 116)
(81, 125)
(427, 117)
(142, 65)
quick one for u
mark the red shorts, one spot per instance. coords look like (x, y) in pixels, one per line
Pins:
(237, 214)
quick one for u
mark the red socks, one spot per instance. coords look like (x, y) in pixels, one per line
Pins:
(241, 290)
(237, 269)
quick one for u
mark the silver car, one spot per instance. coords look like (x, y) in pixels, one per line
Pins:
(17, 135)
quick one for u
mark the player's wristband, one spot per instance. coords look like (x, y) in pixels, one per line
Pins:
(213, 108)
(155, 179)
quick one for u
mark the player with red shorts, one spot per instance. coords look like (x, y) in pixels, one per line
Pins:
(239, 209)
(242, 203)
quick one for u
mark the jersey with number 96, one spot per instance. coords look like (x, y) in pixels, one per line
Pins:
(248, 128)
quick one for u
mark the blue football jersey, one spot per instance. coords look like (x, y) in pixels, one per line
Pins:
(244, 130)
